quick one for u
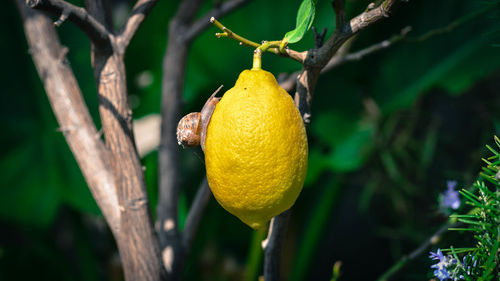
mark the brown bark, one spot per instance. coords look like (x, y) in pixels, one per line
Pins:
(71, 112)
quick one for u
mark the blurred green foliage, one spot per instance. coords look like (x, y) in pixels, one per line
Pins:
(386, 134)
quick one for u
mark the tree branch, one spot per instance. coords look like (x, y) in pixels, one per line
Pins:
(174, 65)
(339, 8)
(433, 239)
(194, 216)
(272, 246)
(317, 58)
(339, 59)
(219, 11)
(226, 32)
(141, 9)
(137, 242)
(87, 23)
(71, 112)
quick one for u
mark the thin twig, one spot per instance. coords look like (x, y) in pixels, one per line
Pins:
(340, 59)
(226, 32)
(78, 15)
(453, 25)
(203, 23)
(141, 9)
(433, 239)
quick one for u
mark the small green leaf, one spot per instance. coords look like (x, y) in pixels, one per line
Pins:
(305, 18)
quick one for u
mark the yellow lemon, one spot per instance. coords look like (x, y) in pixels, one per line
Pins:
(256, 149)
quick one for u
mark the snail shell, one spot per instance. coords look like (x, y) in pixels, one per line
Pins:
(189, 130)
(192, 128)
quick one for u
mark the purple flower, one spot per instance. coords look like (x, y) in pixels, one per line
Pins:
(451, 196)
(441, 268)
(441, 274)
(438, 255)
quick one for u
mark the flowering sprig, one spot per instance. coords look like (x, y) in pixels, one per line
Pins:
(450, 268)
(482, 261)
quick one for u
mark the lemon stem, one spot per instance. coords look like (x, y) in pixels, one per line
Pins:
(257, 61)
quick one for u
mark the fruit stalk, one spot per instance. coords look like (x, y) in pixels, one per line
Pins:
(257, 61)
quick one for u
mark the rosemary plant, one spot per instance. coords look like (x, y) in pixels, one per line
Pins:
(480, 262)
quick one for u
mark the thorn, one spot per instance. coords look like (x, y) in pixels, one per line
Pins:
(371, 6)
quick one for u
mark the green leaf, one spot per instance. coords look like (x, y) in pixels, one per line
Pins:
(305, 18)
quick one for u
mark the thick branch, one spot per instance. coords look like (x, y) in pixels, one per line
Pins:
(71, 112)
(272, 246)
(141, 9)
(137, 242)
(87, 23)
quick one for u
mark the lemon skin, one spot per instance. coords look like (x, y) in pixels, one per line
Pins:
(256, 149)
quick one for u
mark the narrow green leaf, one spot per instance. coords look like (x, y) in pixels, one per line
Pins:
(305, 18)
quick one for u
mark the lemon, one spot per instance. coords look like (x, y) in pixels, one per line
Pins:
(256, 149)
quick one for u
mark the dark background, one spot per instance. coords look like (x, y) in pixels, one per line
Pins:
(386, 134)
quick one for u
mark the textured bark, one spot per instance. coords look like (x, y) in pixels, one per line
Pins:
(113, 171)
(71, 112)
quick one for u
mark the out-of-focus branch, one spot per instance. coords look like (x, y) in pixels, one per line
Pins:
(96, 31)
(141, 9)
(203, 23)
(194, 216)
(339, 59)
(71, 112)
(174, 66)
(433, 239)
(339, 8)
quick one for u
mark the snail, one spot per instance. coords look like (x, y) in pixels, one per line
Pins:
(192, 128)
